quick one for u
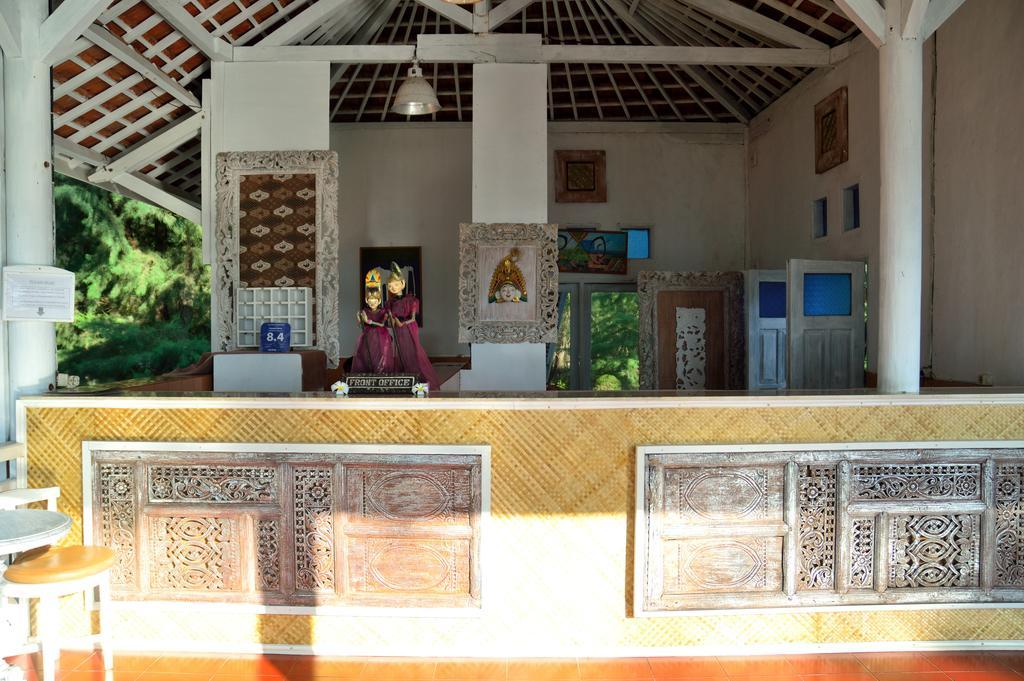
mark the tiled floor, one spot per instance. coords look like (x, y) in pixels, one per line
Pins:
(945, 666)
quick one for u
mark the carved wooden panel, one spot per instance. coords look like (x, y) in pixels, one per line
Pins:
(734, 564)
(213, 484)
(807, 525)
(320, 526)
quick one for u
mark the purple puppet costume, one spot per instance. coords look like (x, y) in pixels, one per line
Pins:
(402, 308)
(375, 352)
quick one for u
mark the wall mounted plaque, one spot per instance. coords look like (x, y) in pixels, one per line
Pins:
(831, 132)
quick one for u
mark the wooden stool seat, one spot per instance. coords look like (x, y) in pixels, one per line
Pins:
(47, 565)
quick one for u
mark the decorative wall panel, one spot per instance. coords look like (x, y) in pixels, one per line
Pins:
(691, 348)
(320, 525)
(807, 525)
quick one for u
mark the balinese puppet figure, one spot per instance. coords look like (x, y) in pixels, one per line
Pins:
(507, 283)
(402, 308)
(375, 351)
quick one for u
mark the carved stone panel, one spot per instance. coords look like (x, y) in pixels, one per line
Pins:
(862, 554)
(194, 554)
(817, 543)
(930, 551)
(723, 494)
(404, 494)
(722, 564)
(917, 481)
(1009, 559)
(213, 484)
(268, 554)
(397, 566)
(314, 529)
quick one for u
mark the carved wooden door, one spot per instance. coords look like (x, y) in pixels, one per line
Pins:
(766, 329)
(691, 340)
(826, 327)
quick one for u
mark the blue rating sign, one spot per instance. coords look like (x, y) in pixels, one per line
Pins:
(275, 337)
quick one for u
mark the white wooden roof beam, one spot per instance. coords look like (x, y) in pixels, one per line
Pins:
(938, 12)
(913, 17)
(506, 10)
(152, 147)
(60, 30)
(738, 15)
(114, 46)
(10, 29)
(869, 17)
(453, 13)
(157, 194)
(305, 21)
(184, 23)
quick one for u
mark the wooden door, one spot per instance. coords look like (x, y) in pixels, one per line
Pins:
(766, 329)
(692, 336)
(825, 320)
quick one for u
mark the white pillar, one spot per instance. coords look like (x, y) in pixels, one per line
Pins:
(510, 156)
(32, 346)
(899, 325)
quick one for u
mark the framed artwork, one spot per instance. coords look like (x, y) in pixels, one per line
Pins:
(592, 251)
(408, 258)
(508, 283)
(693, 329)
(277, 226)
(831, 132)
(580, 177)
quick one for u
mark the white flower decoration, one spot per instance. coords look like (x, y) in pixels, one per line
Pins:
(420, 389)
(340, 389)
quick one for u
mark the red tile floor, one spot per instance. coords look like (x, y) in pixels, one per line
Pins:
(925, 666)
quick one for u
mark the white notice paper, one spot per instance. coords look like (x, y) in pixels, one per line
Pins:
(38, 293)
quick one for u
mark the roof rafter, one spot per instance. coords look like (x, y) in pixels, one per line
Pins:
(184, 23)
(760, 24)
(869, 17)
(160, 195)
(152, 147)
(60, 30)
(938, 12)
(305, 21)
(10, 29)
(116, 47)
(505, 11)
(452, 13)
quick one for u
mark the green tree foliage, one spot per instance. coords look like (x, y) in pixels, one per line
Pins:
(142, 292)
(614, 339)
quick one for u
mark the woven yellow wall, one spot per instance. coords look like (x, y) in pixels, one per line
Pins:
(560, 540)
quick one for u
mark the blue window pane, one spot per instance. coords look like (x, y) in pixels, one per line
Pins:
(638, 244)
(771, 299)
(827, 295)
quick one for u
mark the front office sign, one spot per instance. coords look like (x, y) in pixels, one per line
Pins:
(38, 293)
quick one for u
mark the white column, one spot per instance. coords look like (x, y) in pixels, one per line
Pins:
(32, 346)
(899, 325)
(510, 156)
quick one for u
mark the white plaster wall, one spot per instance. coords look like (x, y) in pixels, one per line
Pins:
(979, 202)
(410, 184)
(783, 184)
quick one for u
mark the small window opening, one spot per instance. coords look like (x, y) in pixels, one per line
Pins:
(851, 208)
(820, 217)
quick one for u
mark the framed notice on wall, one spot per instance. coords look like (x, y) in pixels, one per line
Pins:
(38, 293)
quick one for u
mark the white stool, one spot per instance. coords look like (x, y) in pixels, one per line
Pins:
(49, 573)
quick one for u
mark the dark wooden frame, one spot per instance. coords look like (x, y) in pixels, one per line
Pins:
(835, 104)
(562, 192)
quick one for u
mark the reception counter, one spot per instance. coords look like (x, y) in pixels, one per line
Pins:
(545, 525)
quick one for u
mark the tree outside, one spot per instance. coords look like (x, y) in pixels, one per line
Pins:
(142, 292)
(614, 341)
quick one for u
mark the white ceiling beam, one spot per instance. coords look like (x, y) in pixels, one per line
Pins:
(452, 13)
(506, 10)
(10, 29)
(187, 25)
(152, 147)
(913, 12)
(65, 25)
(447, 50)
(76, 152)
(155, 193)
(305, 21)
(737, 15)
(869, 17)
(938, 12)
(116, 47)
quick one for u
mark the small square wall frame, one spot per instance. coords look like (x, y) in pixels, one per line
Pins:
(292, 305)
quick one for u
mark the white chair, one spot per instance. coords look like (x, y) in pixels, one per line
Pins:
(49, 573)
(15, 492)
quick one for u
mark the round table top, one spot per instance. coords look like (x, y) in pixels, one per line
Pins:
(26, 528)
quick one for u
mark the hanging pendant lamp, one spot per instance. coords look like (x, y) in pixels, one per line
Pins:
(415, 97)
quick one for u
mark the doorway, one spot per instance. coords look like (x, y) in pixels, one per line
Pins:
(598, 334)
